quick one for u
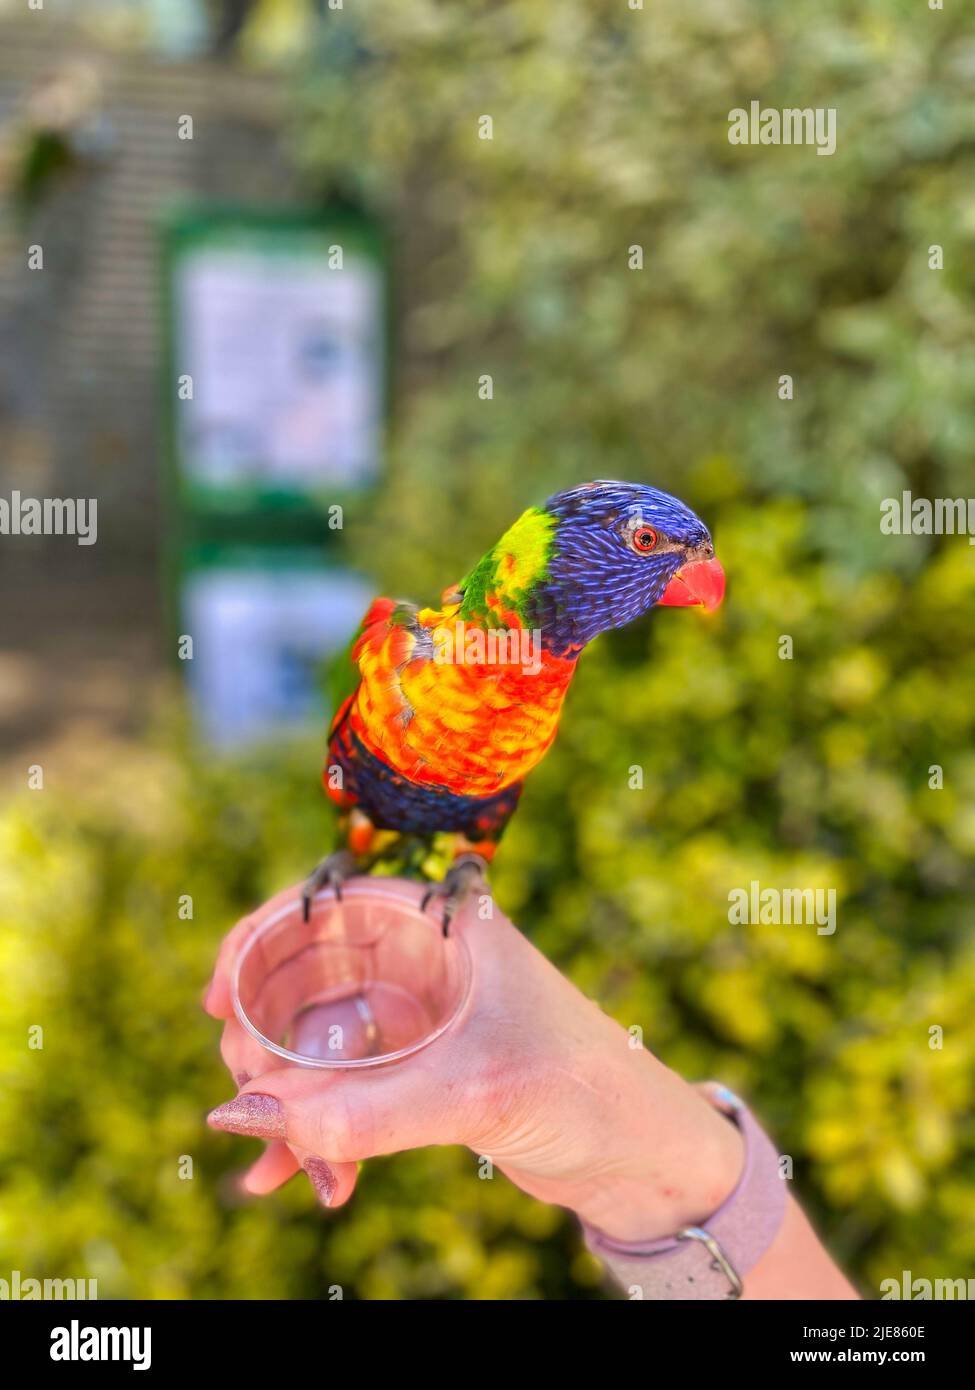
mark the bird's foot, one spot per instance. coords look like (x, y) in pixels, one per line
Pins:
(467, 873)
(332, 872)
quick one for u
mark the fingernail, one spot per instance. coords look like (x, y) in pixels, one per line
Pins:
(252, 1113)
(323, 1179)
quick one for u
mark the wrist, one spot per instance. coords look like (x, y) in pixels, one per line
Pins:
(709, 1258)
(677, 1162)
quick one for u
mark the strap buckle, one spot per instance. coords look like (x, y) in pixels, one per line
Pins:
(719, 1260)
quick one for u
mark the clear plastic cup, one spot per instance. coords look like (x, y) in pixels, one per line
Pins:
(370, 979)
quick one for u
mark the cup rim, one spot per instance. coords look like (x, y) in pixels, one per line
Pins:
(366, 888)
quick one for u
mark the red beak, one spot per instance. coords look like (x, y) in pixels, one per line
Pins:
(700, 584)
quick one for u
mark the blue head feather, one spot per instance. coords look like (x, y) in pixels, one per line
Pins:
(595, 579)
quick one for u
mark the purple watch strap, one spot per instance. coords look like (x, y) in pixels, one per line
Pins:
(708, 1261)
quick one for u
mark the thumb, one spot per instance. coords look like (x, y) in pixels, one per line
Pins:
(345, 1118)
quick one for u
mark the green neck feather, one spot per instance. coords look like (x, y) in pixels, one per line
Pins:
(510, 570)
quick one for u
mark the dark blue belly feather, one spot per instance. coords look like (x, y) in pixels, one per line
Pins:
(392, 802)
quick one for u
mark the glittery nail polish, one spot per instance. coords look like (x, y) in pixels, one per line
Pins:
(251, 1113)
(323, 1179)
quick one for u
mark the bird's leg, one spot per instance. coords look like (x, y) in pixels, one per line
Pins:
(360, 836)
(331, 872)
(467, 873)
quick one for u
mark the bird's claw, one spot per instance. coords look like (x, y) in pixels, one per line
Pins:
(467, 872)
(332, 872)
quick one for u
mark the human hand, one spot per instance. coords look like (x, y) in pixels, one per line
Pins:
(534, 1076)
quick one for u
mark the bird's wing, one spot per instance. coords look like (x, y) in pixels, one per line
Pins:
(431, 722)
(388, 636)
(472, 725)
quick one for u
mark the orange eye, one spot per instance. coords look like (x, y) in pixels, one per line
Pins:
(644, 539)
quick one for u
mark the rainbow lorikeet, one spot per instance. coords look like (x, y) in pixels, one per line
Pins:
(455, 705)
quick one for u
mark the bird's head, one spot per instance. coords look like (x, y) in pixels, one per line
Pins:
(595, 557)
(617, 550)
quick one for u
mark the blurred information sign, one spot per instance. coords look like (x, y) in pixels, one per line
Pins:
(274, 390)
(262, 623)
(277, 345)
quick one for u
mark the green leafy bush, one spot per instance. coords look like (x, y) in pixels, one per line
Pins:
(610, 131)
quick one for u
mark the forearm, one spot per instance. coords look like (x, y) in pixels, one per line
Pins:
(796, 1266)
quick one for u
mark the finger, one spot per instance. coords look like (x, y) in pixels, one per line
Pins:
(332, 1183)
(346, 1118)
(243, 1055)
(216, 997)
(276, 1166)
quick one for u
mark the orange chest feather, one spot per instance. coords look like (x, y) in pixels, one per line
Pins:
(475, 716)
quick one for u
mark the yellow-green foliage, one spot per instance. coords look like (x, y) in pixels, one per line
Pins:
(512, 258)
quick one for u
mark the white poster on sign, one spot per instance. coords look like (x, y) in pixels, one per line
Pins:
(285, 356)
